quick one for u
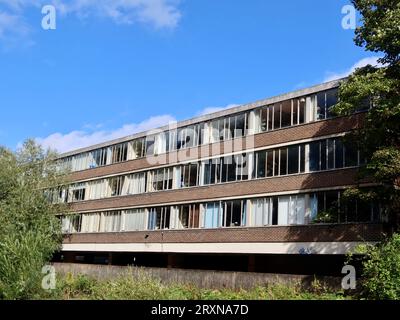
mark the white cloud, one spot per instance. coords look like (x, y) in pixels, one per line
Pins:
(156, 13)
(84, 138)
(12, 24)
(362, 63)
(209, 110)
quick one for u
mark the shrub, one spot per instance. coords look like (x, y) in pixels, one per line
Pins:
(381, 269)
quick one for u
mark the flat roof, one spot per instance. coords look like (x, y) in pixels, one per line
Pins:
(211, 116)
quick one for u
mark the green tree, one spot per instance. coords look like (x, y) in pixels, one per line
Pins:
(379, 138)
(30, 232)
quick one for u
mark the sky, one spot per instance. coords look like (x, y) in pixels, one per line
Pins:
(111, 68)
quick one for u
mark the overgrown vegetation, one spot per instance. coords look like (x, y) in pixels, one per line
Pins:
(381, 274)
(128, 287)
(29, 230)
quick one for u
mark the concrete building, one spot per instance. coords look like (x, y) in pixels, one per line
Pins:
(243, 189)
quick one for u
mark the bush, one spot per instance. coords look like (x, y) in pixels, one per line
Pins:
(381, 270)
(29, 230)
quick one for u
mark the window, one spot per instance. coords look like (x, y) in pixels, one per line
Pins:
(187, 216)
(90, 222)
(150, 145)
(261, 212)
(286, 117)
(299, 111)
(331, 154)
(242, 170)
(78, 192)
(71, 223)
(277, 116)
(116, 186)
(99, 158)
(135, 220)
(259, 166)
(240, 126)
(325, 101)
(291, 210)
(110, 221)
(234, 214)
(160, 179)
(264, 119)
(321, 106)
(138, 147)
(331, 101)
(98, 189)
(119, 153)
(339, 154)
(213, 215)
(283, 161)
(315, 156)
(159, 218)
(136, 183)
(293, 159)
(188, 175)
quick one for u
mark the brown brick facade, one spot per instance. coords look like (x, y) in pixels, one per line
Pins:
(305, 233)
(305, 131)
(328, 179)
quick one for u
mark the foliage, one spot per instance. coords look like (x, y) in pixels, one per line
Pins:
(29, 230)
(379, 88)
(143, 287)
(381, 275)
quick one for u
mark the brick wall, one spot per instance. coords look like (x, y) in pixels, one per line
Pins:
(304, 233)
(328, 179)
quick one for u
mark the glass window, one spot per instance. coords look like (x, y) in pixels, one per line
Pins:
(119, 153)
(277, 116)
(339, 151)
(293, 159)
(351, 155)
(150, 142)
(116, 185)
(324, 154)
(242, 172)
(99, 157)
(270, 163)
(240, 125)
(321, 106)
(283, 161)
(264, 119)
(315, 156)
(302, 110)
(138, 148)
(295, 113)
(331, 146)
(286, 116)
(260, 163)
(193, 174)
(331, 101)
(135, 220)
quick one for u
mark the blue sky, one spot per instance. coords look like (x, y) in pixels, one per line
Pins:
(114, 67)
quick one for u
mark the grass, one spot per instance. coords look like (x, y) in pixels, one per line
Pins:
(143, 287)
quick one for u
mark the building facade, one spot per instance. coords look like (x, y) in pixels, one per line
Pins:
(257, 187)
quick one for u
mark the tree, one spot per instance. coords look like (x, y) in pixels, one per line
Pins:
(379, 138)
(30, 232)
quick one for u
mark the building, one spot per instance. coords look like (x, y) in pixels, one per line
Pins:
(253, 188)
